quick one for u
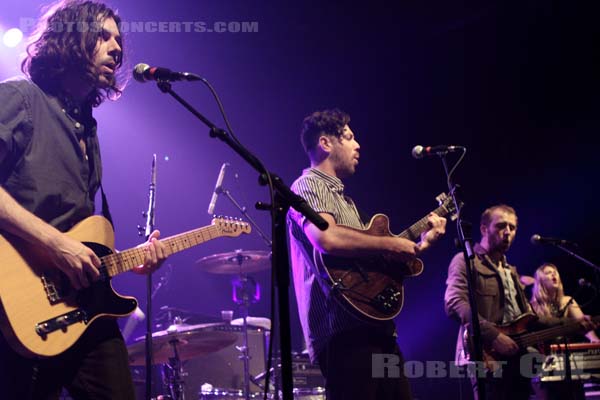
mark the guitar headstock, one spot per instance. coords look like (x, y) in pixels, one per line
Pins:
(231, 227)
(447, 207)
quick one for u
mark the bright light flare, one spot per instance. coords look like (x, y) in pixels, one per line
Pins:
(12, 37)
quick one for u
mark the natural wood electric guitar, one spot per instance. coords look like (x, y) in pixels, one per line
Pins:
(373, 285)
(42, 315)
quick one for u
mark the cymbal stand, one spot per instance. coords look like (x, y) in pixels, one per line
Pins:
(173, 373)
(245, 292)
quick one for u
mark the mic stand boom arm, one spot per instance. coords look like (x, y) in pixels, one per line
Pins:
(283, 199)
(577, 256)
(244, 212)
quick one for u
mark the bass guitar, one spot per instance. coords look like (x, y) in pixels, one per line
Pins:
(518, 331)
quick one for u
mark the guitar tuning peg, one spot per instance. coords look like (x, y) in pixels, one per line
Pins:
(144, 214)
(140, 230)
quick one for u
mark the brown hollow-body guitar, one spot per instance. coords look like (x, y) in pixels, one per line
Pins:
(42, 315)
(518, 331)
(372, 286)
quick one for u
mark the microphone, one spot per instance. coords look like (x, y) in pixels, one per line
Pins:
(419, 151)
(537, 239)
(144, 73)
(151, 199)
(585, 284)
(213, 200)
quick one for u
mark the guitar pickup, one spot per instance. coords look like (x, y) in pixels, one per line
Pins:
(60, 322)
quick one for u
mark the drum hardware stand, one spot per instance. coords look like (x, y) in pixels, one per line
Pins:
(173, 373)
(245, 292)
(282, 198)
(245, 283)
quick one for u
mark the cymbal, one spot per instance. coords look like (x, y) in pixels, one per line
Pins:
(236, 262)
(191, 341)
(258, 322)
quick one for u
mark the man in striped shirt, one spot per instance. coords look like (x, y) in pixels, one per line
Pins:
(342, 344)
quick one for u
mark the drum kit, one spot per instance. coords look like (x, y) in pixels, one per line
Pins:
(181, 349)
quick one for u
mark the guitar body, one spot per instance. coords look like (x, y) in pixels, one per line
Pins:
(515, 329)
(33, 292)
(372, 286)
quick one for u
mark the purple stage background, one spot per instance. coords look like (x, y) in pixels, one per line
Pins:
(517, 83)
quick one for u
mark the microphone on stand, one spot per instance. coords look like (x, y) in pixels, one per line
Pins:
(151, 200)
(419, 151)
(144, 73)
(582, 282)
(537, 239)
(218, 188)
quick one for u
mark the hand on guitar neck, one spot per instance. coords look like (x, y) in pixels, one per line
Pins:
(437, 228)
(155, 254)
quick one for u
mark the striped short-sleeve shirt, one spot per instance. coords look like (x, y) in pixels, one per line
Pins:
(321, 316)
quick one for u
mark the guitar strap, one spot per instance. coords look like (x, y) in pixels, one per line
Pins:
(105, 209)
(364, 217)
(561, 312)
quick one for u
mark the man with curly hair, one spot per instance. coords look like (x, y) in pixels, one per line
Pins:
(50, 171)
(343, 345)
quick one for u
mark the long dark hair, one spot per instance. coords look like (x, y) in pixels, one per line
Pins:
(64, 42)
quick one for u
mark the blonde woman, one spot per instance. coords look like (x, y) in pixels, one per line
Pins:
(548, 299)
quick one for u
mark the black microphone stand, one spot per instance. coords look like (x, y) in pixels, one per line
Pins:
(282, 200)
(463, 229)
(148, 230)
(577, 256)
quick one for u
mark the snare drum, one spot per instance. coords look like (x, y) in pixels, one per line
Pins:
(317, 393)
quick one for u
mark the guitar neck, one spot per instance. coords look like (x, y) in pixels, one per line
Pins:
(533, 338)
(415, 230)
(126, 260)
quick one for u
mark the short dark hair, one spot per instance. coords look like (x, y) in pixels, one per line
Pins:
(64, 42)
(486, 217)
(326, 122)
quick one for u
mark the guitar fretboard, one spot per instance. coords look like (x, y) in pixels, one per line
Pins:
(530, 339)
(414, 231)
(124, 261)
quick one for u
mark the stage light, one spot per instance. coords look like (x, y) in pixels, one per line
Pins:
(12, 37)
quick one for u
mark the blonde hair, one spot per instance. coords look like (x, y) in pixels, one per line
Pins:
(542, 301)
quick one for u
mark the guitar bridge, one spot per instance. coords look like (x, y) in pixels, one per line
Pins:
(388, 299)
(51, 290)
(61, 322)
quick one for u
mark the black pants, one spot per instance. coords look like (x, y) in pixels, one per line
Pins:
(511, 385)
(347, 365)
(96, 367)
